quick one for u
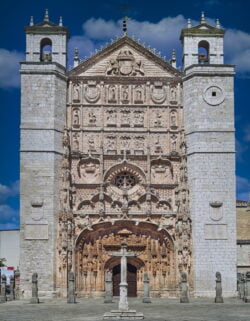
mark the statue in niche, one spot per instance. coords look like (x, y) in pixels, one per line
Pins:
(158, 117)
(125, 142)
(66, 142)
(138, 118)
(111, 118)
(158, 148)
(138, 94)
(173, 94)
(75, 141)
(76, 92)
(125, 117)
(125, 93)
(76, 118)
(139, 143)
(111, 143)
(173, 119)
(113, 67)
(91, 143)
(173, 142)
(92, 118)
(112, 93)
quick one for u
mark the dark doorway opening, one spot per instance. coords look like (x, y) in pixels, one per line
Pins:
(131, 279)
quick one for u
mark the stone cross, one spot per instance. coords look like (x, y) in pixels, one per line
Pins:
(34, 298)
(247, 287)
(146, 297)
(218, 289)
(3, 297)
(184, 288)
(108, 288)
(123, 254)
(12, 288)
(71, 288)
(17, 283)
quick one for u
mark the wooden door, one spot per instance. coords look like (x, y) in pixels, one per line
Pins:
(131, 279)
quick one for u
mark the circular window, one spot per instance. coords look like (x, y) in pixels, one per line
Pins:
(125, 180)
(214, 95)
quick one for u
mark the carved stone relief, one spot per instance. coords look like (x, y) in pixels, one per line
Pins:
(173, 119)
(125, 65)
(158, 92)
(92, 118)
(112, 94)
(125, 118)
(125, 95)
(138, 118)
(89, 170)
(111, 118)
(75, 141)
(76, 92)
(139, 94)
(76, 123)
(92, 92)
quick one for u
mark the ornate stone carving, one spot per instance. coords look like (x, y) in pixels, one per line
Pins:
(139, 94)
(125, 94)
(111, 118)
(173, 94)
(158, 92)
(111, 144)
(92, 92)
(75, 141)
(139, 145)
(112, 94)
(89, 169)
(91, 144)
(173, 119)
(76, 118)
(92, 118)
(173, 143)
(138, 118)
(158, 119)
(158, 148)
(125, 143)
(76, 93)
(161, 171)
(125, 118)
(125, 65)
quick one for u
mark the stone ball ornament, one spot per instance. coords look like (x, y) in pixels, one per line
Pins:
(214, 95)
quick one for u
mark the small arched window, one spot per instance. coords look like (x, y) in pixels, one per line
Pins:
(46, 50)
(203, 52)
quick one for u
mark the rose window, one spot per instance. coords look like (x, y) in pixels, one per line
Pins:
(125, 180)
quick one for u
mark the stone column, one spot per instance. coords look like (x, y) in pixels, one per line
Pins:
(108, 288)
(34, 298)
(12, 288)
(17, 284)
(146, 296)
(3, 297)
(71, 288)
(184, 297)
(247, 287)
(218, 289)
(123, 302)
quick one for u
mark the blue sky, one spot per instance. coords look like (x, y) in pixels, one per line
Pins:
(92, 23)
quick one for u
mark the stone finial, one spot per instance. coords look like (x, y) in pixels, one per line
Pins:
(76, 58)
(124, 26)
(60, 21)
(46, 15)
(31, 21)
(217, 24)
(173, 59)
(189, 24)
(203, 19)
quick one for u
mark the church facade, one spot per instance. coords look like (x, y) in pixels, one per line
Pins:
(125, 147)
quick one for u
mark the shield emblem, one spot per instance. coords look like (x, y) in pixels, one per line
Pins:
(92, 93)
(126, 67)
(158, 94)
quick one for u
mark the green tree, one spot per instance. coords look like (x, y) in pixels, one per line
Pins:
(2, 262)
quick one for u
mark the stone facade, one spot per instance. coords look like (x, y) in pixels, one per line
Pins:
(126, 148)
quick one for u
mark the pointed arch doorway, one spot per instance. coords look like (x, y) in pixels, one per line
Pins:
(131, 280)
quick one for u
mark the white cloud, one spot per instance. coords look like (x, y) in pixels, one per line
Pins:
(9, 217)
(243, 188)
(8, 191)
(9, 66)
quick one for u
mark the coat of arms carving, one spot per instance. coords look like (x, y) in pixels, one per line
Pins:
(158, 93)
(92, 92)
(125, 65)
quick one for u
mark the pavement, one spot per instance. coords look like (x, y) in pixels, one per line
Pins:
(204, 309)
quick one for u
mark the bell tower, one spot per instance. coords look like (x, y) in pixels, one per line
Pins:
(43, 112)
(208, 104)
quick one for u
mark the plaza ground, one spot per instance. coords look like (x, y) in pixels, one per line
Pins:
(159, 310)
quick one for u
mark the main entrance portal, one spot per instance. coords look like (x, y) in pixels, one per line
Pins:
(131, 280)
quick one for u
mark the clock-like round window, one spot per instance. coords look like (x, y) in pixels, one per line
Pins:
(214, 95)
(125, 180)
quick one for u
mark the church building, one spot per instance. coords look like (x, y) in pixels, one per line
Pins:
(127, 148)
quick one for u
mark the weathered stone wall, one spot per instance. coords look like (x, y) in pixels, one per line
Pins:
(43, 109)
(208, 121)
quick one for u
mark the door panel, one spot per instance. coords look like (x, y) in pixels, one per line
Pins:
(131, 279)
